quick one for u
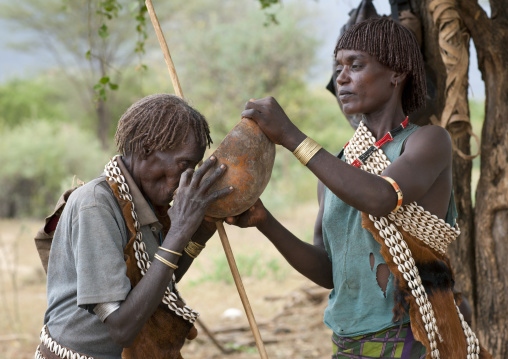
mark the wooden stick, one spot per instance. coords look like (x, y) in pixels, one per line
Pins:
(164, 47)
(220, 226)
(241, 290)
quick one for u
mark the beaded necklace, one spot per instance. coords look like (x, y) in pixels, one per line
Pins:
(360, 160)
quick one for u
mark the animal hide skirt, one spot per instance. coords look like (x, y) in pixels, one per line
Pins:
(413, 244)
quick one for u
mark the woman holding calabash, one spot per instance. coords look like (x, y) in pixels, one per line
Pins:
(391, 280)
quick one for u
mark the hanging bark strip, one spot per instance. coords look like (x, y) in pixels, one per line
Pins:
(220, 226)
(453, 41)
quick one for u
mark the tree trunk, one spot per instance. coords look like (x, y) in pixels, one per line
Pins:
(491, 212)
(461, 252)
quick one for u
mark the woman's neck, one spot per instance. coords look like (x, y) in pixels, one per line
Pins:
(380, 124)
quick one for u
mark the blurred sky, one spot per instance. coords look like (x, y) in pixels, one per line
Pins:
(332, 16)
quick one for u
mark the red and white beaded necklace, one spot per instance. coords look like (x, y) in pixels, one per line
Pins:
(360, 160)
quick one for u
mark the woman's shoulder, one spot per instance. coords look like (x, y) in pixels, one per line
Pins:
(431, 130)
(431, 137)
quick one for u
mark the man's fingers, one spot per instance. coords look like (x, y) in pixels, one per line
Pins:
(210, 180)
(219, 194)
(199, 173)
(186, 177)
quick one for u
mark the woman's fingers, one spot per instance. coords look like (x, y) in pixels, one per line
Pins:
(231, 220)
(251, 114)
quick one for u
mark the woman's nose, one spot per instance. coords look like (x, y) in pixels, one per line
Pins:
(342, 78)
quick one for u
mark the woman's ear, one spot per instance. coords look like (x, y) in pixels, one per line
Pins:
(398, 79)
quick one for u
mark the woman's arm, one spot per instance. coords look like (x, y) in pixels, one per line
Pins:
(310, 260)
(426, 157)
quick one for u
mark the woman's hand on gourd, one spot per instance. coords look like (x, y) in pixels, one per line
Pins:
(252, 217)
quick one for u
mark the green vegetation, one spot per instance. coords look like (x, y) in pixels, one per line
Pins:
(50, 131)
(39, 159)
(253, 265)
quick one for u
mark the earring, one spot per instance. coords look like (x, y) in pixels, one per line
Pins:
(396, 83)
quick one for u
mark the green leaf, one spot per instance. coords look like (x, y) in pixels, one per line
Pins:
(97, 87)
(103, 31)
(88, 55)
(104, 80)
(113, 86)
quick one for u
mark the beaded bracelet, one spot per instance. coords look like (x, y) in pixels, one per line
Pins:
(306, 150)
(170, 251)
(193, 249)
(397, 191)
(165, 261)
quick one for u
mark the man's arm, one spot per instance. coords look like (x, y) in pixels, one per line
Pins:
(186, 215)
(201, 236)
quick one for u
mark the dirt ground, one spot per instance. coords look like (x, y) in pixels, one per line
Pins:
(288, 308)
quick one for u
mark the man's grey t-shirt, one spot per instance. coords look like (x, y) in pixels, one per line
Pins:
(86, 266)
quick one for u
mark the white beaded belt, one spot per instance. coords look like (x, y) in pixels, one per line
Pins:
(56, 348)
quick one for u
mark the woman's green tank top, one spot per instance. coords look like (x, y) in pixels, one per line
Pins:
(357, 305)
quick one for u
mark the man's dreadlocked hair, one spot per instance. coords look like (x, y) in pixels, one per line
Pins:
(394, 46)
(158, 123)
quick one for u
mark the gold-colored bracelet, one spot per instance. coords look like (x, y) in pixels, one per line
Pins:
(170, 251)
(193, 249)
(398, 191)
(165, 261)
(306, 150)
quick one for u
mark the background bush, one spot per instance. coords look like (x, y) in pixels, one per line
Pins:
(39, 160)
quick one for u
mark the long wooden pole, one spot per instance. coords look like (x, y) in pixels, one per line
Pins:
(220, 226)
(241, 290)
(164, 47)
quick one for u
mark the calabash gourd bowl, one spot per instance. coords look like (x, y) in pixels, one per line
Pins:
(249, 156)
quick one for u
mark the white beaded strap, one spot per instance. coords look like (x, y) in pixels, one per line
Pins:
(170, 298)
(473, 345)
(403, 258)
(56, 348)
(427, 227)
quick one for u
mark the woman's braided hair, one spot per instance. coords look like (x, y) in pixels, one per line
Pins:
(394, 46)
(157, 123)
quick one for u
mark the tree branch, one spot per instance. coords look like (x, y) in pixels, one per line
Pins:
(475, 19)
(499, 10)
